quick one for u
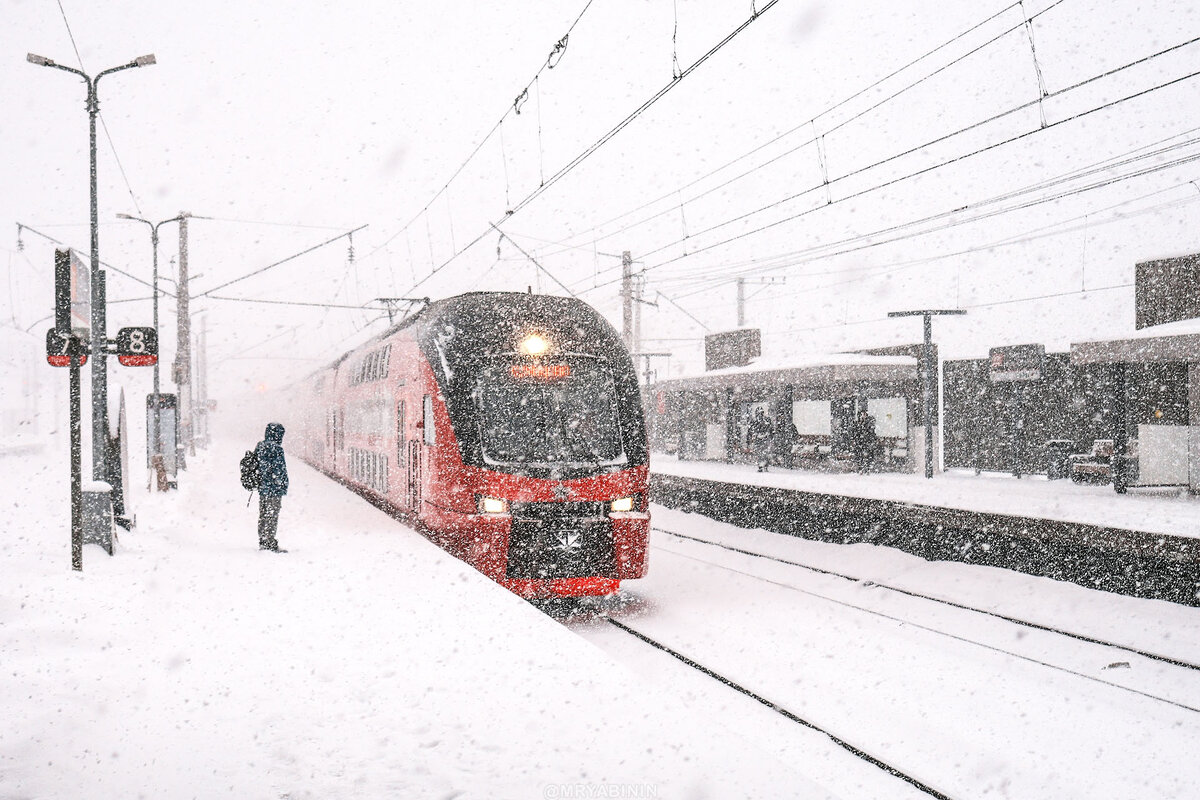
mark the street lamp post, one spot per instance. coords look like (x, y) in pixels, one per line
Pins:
(154, 226)
(99, 315)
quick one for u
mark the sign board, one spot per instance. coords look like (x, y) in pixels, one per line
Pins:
(59, 349)
(81, 292)
(1022, 362)
(731, 348)
(137, 347)
(1167, 290)
(164, 406)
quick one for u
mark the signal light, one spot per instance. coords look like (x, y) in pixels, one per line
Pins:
(492, 505)
(622, 504)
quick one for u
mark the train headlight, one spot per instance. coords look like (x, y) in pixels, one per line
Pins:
(492, 505)
(534, 345)
(623, 504)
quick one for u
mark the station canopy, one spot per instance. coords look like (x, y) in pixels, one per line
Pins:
(1173, 342)
(813, 370)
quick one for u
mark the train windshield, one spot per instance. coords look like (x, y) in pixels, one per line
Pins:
(549, 414)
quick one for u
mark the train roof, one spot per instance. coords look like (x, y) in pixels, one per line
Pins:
(490, 312)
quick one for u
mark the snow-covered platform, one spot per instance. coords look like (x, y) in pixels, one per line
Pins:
(364, 663)
(1144, 542)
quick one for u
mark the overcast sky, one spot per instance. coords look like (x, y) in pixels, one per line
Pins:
(320, 118)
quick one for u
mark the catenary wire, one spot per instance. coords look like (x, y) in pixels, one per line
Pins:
(575, 162)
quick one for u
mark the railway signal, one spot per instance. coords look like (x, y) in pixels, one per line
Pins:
(62, 347)
(67, 347)
(137, 347)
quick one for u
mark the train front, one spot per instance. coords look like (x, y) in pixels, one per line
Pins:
(551, 462)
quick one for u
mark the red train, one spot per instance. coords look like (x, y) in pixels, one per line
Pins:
(508, 426)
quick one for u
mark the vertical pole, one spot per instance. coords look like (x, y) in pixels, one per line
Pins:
(157, 450)
(741, 302)
(1018, 428)
(183, 345)
(62, 324)
(1120, 474)
(99, 361)
(637, 318)
(927, 396)
(627, 299)
(76, 468)
(202, 392)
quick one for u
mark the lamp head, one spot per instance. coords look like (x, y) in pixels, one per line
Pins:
(41, 61)
(144, 61)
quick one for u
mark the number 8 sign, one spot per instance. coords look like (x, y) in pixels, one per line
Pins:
(137, 347)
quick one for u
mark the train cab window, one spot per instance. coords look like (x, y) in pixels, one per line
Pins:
(567, 416)
(427, 420)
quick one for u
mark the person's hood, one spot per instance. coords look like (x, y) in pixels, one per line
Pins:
(274, 433)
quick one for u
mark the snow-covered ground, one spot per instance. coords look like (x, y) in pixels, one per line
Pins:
(364, 663)
(970, 705)
(367, 663)
(1169, 511)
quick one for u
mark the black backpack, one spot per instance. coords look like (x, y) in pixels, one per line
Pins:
(251, 474)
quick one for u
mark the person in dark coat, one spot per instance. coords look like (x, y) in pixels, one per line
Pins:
(864, 441)
(762, 435)
(272, 486)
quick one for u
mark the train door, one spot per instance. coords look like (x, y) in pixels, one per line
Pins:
(404, 460)
(416, 453)
(414, 474)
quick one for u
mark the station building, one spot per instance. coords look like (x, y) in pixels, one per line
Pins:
(809, 400)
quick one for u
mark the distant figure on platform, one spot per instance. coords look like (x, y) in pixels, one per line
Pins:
(762, 436)
(272, 486)
(864, 443)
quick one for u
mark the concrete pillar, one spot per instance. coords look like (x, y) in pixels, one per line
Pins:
(1193, 396)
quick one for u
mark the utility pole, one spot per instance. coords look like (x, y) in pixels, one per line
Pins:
(202, 381)
(741, 302)
(183, 347)
(637, 313)
(928, 368)
(156, 436)
(741, 295)
(627, 299)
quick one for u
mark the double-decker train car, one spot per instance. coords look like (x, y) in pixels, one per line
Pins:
(508, 426)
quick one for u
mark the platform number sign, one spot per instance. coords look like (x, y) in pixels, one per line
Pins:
(59, 349)
(137, 347)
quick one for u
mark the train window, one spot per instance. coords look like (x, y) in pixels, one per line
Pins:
(571, 420)
(427, 420)
(400, 434)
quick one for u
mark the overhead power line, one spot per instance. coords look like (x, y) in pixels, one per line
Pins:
(579, 159)
(921, 171)
(22, 226)
(810, 123)
(547, 272)
(261, 270)
(954, 218)
(292, 303)
(1056, 229)
(551, 61)
(112, 146)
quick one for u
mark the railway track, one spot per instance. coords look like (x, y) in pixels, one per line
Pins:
(952, 604)
(857, 752)
(913, 624)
